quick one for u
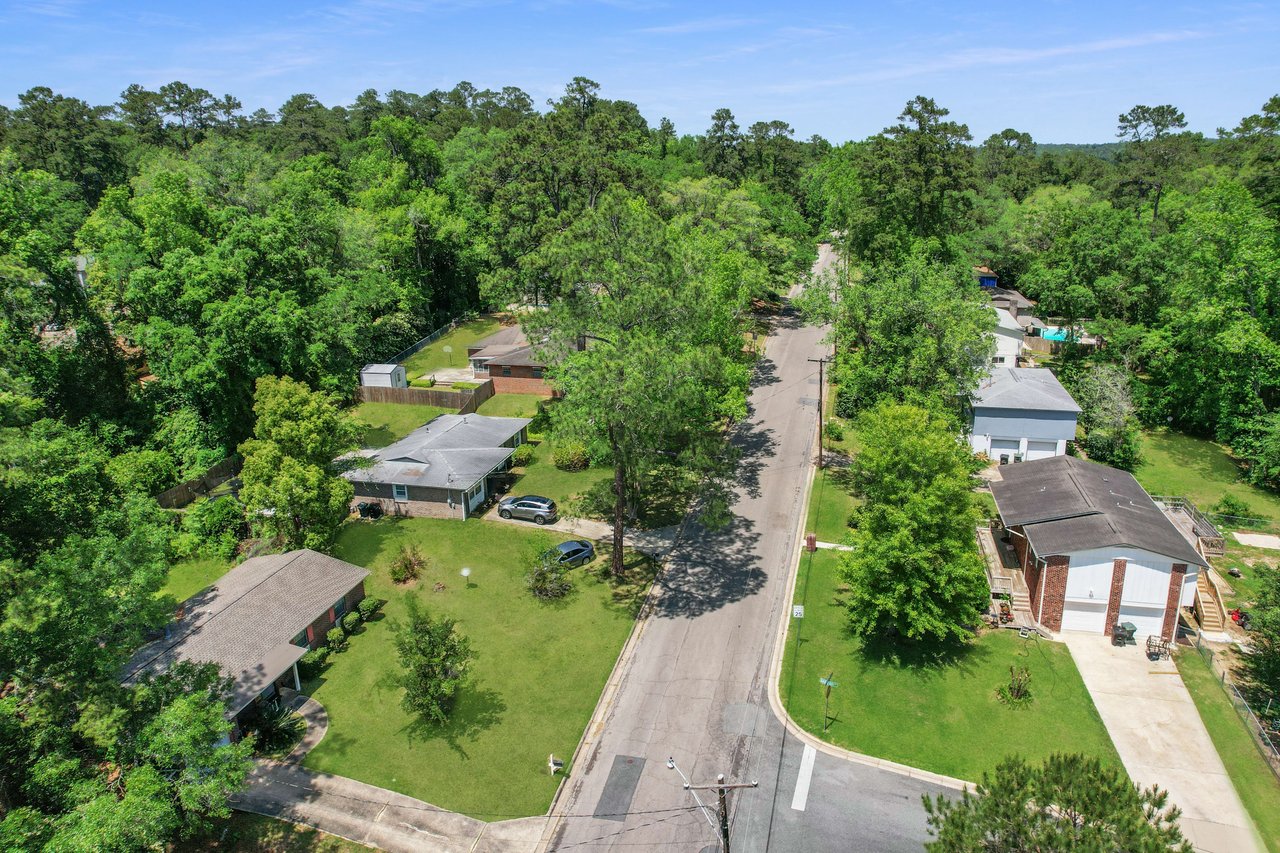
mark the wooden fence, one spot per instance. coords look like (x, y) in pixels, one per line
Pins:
(185, 493)
(465, 402)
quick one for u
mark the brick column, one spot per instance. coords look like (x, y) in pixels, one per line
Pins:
(1055, 591)
(1117, 590)
(1176, 578)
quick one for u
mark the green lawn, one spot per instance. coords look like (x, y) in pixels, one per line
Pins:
(389, 422)
(538, 672)
(1253, 779)
(942, 717)
(511, 405)
(1177, 464)
(251, 833)
(830, 504)
(187, 577)
(433, 357)
(542, 477)
(1244, 589)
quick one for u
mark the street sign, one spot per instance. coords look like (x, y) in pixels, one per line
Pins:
(828, 683)
(797, 611)
(826, 680)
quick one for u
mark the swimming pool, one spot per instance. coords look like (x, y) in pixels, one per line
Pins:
(1054, 333)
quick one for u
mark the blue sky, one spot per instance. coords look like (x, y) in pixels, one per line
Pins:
(1061, 70)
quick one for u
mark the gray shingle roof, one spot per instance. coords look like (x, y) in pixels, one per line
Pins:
(244, 622)
(1034, 388)
(507, 336)
(450, 452)
(1007, 321)
(1065, 504)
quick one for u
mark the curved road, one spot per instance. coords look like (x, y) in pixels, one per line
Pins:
(695, 686)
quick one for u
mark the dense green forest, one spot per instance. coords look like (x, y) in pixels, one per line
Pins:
(162, 254)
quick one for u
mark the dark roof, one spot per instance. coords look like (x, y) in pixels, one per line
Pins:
(518, 356)
(1032, 388)
(246, 621)
(507, 336)
(450, 452)
(1065, 504)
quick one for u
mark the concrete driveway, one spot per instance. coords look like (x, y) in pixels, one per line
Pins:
(1161, 740)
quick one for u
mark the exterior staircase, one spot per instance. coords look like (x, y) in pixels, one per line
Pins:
(1021, 598)
(1208, 606)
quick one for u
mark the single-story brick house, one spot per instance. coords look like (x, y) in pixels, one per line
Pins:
(443, 469)
(1095, 549)
(1020, 414)
(256, 622)
(508, 360)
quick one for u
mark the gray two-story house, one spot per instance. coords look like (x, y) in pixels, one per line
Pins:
(1022, 413)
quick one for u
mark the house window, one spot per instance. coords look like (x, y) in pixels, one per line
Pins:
(506, 371)
(339, 608)
(537, 373)
(399, 492)
(999, 359)
(301, 639)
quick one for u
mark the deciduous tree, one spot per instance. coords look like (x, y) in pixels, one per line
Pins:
(436, 660)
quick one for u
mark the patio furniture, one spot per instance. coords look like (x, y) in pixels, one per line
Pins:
(1122, 634)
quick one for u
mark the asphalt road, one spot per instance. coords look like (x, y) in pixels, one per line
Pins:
(695, 687)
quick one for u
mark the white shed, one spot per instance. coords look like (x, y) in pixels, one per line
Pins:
(383, 376)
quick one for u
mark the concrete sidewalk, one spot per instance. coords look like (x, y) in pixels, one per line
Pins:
(1161, 740)
(376, 816)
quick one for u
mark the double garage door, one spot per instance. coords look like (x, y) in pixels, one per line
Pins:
(1035, 449)
(1091, 616)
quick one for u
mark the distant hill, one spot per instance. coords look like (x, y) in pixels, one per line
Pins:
(1101, 150)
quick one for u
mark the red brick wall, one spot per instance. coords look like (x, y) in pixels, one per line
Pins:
(1019, 545)
(1118, 567)
(355, 596)
(518, 384)
(1176, 578)
(1055, 591)
(1033, 576)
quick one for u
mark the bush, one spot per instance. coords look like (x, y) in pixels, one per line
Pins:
(548, 580)
(834, 431)
(522, 455)
(408, 564)
(570, 456)
(310, 664)
(351, 622)
(336, 640)
(144, 472)
(429, 382)
(367, 607)
(218, 525)
(1232, 505)
(1017, 692)
(275, 728)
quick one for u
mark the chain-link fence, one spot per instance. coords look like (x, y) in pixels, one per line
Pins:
(1263, 727)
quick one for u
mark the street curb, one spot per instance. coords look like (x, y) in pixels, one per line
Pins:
(605, 704)
(775, 674)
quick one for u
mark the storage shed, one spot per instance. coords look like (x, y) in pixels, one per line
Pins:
(383, 376)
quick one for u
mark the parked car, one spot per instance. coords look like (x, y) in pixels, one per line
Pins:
(533, 508)
(575, 552)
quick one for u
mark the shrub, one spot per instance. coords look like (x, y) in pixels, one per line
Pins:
(351, 622)
(367, 607)
(428, 382)
(522, 455)
(408, 564)
(1232, 505)
(465, 386)
(435, 660)
(570, 456)
(834, 431)
(336, 640)
(310, 664)
(1017, 692)
(275, 728)
(548, 580)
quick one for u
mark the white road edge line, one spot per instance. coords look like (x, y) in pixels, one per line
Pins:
(801, 796)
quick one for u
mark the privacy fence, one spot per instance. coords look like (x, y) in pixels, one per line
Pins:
(465, 402)
(185, 493)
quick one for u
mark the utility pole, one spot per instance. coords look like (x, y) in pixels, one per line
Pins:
(822, 363)
(721, 788)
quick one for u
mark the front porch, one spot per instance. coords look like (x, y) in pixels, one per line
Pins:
(1004, 576)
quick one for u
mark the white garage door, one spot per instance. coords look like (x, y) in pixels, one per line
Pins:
(1005, 445)
(1041, 450)
(1148, 619)
(1088, 616)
